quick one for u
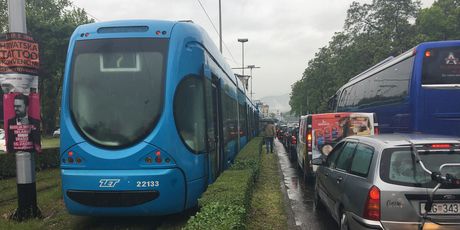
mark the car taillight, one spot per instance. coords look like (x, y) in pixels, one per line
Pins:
(293, 140)
(309, 140)
(372, 208)
(440, 146)
(376, 130)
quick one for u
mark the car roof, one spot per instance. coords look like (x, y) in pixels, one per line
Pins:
(404, 139)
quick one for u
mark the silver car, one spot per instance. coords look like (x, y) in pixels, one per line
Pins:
(380, 182)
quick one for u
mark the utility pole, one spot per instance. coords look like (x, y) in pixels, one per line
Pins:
(250, 68)
(17, 16)
(220, 26)
(242, 40)
(25, 162)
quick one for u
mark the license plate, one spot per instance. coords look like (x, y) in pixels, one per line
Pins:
(442, 209)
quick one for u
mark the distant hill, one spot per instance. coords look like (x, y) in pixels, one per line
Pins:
(280, 103)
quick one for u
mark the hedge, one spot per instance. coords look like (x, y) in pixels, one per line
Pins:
(226, 202)
(49, 158)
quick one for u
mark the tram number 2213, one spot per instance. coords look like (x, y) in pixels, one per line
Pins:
(145, 184)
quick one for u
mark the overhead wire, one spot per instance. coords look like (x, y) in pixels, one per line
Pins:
(86, 11)
(97, 20)
(204, 10)
(215, 29)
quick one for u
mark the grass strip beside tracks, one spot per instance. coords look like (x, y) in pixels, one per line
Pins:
(267, 209)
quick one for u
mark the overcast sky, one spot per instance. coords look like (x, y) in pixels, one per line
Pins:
(283, 35)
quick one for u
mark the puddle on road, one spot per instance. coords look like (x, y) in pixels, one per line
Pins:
(301, 195)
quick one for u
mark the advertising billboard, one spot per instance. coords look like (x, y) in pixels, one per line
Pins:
(19, 66)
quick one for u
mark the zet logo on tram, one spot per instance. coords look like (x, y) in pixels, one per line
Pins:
(108, 183)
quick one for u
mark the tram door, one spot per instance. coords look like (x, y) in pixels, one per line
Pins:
(214, 126)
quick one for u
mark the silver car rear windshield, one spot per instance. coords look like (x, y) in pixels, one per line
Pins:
(398, 166)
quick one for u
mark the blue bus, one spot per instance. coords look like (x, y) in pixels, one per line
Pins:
(151, 115)
(417, 91)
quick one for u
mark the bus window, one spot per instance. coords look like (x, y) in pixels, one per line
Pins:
(441, 66)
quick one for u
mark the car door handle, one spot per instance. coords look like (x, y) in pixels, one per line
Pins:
(339, 179)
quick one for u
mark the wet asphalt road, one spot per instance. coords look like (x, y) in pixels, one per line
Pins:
(300, 197)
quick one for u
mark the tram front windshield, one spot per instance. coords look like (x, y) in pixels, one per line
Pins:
(117, 89)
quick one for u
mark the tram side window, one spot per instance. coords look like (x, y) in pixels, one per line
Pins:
(243, 128)
(229, 117)
(189, 113)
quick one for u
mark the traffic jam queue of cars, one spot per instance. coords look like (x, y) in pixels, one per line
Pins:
(367, 180)
(399, 172)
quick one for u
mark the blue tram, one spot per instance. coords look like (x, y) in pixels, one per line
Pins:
(151, 115)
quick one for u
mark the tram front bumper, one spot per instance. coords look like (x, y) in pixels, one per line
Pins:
(123, 192)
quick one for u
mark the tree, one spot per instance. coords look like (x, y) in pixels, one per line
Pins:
(3, 16)
(439, 22)
(299, 99)
(372, 32)
(387, 22)
(51, 23)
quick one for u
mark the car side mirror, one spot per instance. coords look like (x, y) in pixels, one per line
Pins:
(318, 161)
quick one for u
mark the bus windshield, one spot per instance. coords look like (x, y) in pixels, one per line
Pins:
(441, 66)
(117, 88)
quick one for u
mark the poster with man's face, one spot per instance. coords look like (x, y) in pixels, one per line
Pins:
(19, 64)
(22, 117)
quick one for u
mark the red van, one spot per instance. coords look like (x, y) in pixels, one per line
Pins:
(318, 133)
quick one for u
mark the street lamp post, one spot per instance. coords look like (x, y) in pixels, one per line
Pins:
(220, 26)
(250, 68)
(242, 40)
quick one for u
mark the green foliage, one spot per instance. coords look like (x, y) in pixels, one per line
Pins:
(439, 22)
(232, 188)
(226, 202)
(372, 32)
(3, 16)
(219, 217)
(7, 165)
(50, 23)
(49, 158)
(247, 159)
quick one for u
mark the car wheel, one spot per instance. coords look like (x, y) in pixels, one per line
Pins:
(343, 221)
